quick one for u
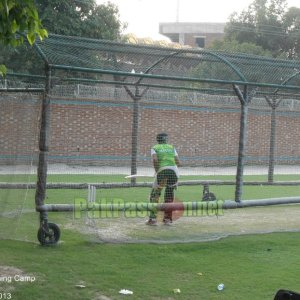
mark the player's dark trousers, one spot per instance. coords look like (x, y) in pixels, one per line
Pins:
(168, 179)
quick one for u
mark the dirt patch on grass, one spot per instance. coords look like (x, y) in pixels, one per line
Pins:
(252, 220)
(100, 296)
(7, 273)
(10, 271)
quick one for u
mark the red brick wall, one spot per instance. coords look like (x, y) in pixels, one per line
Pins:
(91, 132)
(19, 127)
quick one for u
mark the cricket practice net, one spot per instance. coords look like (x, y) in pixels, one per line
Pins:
(90, 146)
(19, 123)
(233, 119)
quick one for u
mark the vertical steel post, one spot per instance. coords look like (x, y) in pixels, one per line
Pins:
(241, 154)
(134, 143)
(273, 103)
(272, 143)
(43, 147)
(244, 99)
(137, 96)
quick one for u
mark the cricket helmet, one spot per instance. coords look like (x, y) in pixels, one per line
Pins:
(162, 138)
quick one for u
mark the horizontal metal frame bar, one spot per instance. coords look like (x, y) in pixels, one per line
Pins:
(82, 186)
(167, 207)
(211, 91)
(175, 78)
(22, 90)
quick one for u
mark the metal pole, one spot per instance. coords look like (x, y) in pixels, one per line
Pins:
(272, 143)
(211, 207)
(43, 147)
(134, 144)
(241, 154)
(135, 128)
(244, 99)
(273, 103)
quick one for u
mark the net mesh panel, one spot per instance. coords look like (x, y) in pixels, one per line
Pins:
(181, 67)
(91, 142)
(124, 229)
(19, 123)
(93, 126)
(96, 86)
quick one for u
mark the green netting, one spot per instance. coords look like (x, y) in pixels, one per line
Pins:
(185, 68)
(19, 123)
(105, 101)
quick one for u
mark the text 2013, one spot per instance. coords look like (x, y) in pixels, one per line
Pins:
(5, 296)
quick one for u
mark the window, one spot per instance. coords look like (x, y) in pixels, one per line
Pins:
(200, 41)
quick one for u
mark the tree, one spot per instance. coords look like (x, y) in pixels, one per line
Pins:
(66, 17)
(81, 18)
(2, 70)
(291, 23)
(217, 69)
(268, 24)
(19, 16)
(235, 46)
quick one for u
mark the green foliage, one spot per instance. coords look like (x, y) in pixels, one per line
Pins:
(81, 18)
(235, 47)
(65, 17)
(2, 70)
(268, 24)
(212, 68)
(239, 42)
(291, 22)
(20, 16)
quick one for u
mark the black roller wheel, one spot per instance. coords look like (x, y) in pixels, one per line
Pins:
(50, 235)
(209, 197)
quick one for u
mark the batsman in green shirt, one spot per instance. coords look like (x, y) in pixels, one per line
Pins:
(165, 161)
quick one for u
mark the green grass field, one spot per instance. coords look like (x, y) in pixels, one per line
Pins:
(252, 266)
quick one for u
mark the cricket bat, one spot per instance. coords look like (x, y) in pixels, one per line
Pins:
(138, 175)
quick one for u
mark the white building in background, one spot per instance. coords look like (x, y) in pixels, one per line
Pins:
(192, 34)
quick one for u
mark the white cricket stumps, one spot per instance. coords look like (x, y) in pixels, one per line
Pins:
(91, 193)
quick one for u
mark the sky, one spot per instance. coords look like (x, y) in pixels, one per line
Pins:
(143, 16)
